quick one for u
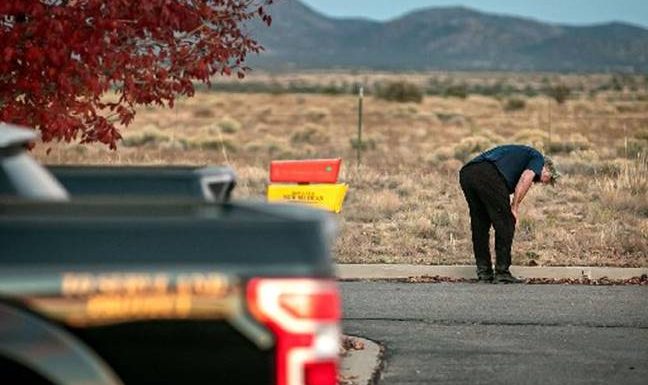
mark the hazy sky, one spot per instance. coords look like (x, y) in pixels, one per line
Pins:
(577, 12)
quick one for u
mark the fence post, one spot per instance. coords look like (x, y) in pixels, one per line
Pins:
(625, 140)
(549, 126)
(359, 141)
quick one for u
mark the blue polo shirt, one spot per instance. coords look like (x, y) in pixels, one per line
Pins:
(511, 160)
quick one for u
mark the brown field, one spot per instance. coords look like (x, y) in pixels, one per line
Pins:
(404, 203)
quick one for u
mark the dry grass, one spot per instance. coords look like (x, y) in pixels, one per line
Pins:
(404, 203)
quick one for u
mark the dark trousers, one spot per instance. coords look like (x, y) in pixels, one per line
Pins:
(489, 202)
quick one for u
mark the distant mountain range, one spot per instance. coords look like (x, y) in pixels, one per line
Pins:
(453, 38)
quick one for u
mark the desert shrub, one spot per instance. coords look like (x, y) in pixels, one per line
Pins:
(203, 112)
(559, 93)
(317, 114)
(311, 134)
(532, 137)
(628, 108)
(187, 144)
(177, 144)
(434, 86)
(499, 89)
(587, 165)
(642, 134)
(293, 87)
(633, 149)
(147, 137)
(634, 177)
(451, 118)
(586, 155)
(373, 206)
(335, 88)
(529, 91)
(441, 154)
(576, 142)
(367, 144)
(79, 149)
(442, 218)
(403, 111)
(471, 146)
(275, 148)
(399, 91)
(515, 104)
(456, 91)
(425, 229)
(450, 166)
(526, 228)
(492, 136)
(628, 190)
(217, 145)
(251, 181)
(253, 147)
(619, 82)
(229, 125)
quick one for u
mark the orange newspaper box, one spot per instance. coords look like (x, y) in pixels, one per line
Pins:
(305, 171)
(311, 182)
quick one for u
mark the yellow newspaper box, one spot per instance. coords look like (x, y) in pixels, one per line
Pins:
(326, 196)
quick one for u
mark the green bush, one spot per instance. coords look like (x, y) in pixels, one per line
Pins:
(515, 104)
(457, 91)
(149, 136)
(317, 114)
(399, 91)
(367, 144)
(642, 134)
(559, 93)
(203, 113)
(311, 134)
(229, 125)
(217, 145)
(562, 147)
(532, 137)
(635, 147)
(470, 146)
(576, 142)
(450, 117)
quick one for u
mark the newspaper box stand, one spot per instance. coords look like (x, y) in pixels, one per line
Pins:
(311, 182)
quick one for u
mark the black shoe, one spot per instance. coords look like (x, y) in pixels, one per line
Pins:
(484, 275)
(506, 277)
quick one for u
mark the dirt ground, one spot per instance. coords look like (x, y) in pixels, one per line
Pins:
(404, 203)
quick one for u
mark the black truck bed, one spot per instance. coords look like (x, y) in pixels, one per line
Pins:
(281, 238)
(210, 183)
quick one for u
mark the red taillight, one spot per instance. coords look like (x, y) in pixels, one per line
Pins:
(320, 373)
(316, 306)
(304, 315)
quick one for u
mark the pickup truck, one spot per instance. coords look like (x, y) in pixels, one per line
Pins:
(168, 290)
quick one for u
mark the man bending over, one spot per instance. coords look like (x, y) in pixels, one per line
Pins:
(487, 182)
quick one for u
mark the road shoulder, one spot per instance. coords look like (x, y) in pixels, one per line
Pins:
(362, 363)
(401, 271)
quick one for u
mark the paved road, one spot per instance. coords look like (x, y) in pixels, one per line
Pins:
(503, 334)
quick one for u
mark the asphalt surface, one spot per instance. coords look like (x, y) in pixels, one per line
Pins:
(503, 334)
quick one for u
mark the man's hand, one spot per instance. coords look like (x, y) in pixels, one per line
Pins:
(526, 179)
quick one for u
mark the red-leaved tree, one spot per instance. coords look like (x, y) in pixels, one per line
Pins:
(59, 58)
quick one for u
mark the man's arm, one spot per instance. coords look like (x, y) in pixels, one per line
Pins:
(525, 182)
